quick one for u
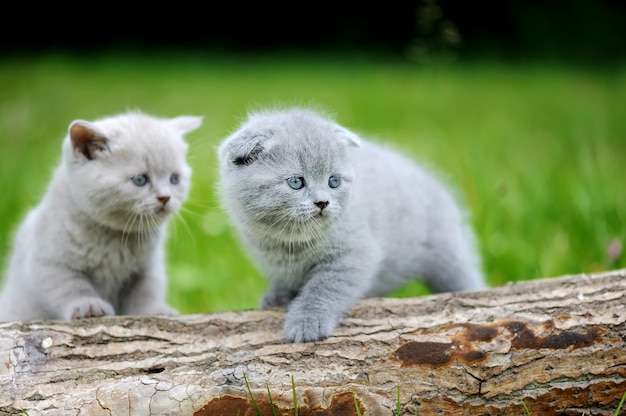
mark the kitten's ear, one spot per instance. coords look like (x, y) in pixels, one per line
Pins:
(243, 148)
(87, 138)
(350, 138)
(185, 124)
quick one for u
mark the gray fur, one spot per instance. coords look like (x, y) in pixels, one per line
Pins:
(94, 244)
(388, 221)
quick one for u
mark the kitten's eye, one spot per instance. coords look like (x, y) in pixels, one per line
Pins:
(334, 181)
(140, 180)
(174, 179)
(295, 182)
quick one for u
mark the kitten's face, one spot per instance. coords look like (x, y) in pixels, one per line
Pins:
(129, 172)
(287, 176)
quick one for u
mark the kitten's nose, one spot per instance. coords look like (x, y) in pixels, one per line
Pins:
(163, 199)
(321, 204)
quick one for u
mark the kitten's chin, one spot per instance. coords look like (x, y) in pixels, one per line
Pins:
(136, 223)
(163, 212)
(143, 226)
(296, 231)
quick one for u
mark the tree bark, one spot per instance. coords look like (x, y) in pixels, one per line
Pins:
(554, 345)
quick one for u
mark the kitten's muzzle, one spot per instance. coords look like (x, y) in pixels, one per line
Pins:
(163, 208)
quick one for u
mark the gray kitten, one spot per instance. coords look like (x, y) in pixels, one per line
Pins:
(330, 218)
(93, 246)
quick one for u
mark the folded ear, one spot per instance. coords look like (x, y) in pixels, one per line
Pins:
(87, 139)
(185, 124)
(243, 148)
(350, 138)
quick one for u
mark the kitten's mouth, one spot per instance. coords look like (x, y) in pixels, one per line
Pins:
(162, 211)
(321, 215)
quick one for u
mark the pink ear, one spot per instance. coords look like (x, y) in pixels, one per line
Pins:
(87, 139)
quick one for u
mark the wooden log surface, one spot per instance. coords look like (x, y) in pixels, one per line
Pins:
(557, 346)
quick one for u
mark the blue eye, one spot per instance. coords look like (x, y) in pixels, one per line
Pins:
(295, 182)
(174, 179)
(334, 181)
(139, 180)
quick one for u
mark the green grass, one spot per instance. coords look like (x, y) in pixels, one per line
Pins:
(526, 409)
(615, 413)
(619, 406)
(397, 412)
(295, 397)
(536, 152)
(356, 404)
(245, 379)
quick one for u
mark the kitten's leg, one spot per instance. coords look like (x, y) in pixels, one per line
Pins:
(333, 288)
(453, 265)
(146, 295)
(66, 294)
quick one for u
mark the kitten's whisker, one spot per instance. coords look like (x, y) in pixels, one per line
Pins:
(188, 232)
(292, 237)
(142, 228)
(282, 218)
(317, 241)
(138, 227)
(279, 242)
(323, 238)
(155, 229)
(187, 211)
(151, 224)
(128, 229)
(295, 232)
(285, 220)
(293, 222)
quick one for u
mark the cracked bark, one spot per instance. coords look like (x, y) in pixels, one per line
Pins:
(557, 344)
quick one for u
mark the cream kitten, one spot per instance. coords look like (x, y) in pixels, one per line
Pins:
(330, 218)
(94, 245)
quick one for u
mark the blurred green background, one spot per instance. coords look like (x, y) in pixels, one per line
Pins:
(530, 129)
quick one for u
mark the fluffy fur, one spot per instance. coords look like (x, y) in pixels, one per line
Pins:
(330, 218)
(94, 244)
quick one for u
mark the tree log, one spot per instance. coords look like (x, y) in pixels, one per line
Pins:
(555, 346)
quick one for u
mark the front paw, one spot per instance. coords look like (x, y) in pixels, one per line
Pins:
(88, 308)
(307, 326)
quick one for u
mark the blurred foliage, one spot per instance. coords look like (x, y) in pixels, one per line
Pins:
(584, 32)
(437, 37)
(589, 32)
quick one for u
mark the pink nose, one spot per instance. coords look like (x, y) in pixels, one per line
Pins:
(163, 199)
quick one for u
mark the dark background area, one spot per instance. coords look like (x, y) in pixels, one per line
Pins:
(578, 30)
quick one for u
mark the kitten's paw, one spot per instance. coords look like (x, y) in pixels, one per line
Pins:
(88, 308)
(307, 327)
(277, 297)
